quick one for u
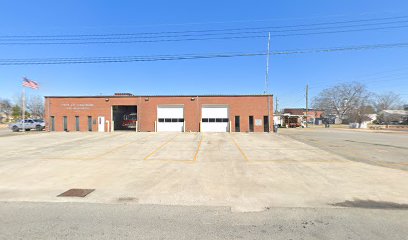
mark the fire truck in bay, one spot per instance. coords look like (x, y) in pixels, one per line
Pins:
(129, 121)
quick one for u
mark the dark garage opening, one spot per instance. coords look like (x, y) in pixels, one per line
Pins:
(124, 117)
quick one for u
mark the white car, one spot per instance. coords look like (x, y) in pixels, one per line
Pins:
(37, 124)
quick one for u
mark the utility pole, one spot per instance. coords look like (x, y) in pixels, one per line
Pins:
(267, 82)
(307, 102)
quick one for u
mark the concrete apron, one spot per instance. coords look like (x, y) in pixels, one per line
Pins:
(247, 172)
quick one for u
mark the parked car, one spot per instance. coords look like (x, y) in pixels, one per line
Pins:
(29, 124)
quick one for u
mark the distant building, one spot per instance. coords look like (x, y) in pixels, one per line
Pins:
(367, 119)
(314, 116)
(394, 116)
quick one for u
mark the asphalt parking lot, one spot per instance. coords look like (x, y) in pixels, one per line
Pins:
(247, 172)
(5, 132)
(132, 221)
(380, 148)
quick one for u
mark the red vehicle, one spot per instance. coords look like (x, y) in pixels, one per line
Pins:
(129, 120)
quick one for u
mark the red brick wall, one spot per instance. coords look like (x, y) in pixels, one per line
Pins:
(243, 106)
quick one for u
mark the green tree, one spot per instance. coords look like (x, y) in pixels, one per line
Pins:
(16, 113)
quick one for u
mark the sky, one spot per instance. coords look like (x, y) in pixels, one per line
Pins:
(381, 70)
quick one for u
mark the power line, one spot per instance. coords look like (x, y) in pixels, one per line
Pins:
(269, 28)
(151, 58)
(159, 35)
(123, 59)
(191, 37)
(195, 39)
(375, 75)
(346, 48)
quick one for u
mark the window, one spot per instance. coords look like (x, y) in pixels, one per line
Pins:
(76, 123)
(251, 123)
(52, 123)
(90, 123)
(237, 124)
(131, 117)
(266, 123)
(212, 120)
(65, 123)
(173, 120)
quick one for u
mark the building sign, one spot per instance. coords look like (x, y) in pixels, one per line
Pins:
(258, 122)
(77, 106)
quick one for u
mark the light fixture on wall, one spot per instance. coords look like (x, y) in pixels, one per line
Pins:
(106, 99)
(192, 99)
(147, 99)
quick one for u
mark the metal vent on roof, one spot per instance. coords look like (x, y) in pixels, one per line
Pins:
(123, 94)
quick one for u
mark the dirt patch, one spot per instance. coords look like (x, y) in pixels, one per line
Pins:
(371, 204)
(128, 199)
(76, 192)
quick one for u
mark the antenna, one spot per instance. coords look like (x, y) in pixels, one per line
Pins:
(267, 82)
(266, 91)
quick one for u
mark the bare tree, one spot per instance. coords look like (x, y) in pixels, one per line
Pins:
(6, 108)
(389, 100)
(360, 114)
(35, 105)
(342, 99)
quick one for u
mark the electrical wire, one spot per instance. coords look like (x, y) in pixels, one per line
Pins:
(151, 58)
(196, 39)
(137, 38)
(270, 28)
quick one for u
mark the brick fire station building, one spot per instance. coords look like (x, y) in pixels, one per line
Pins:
(205, 113)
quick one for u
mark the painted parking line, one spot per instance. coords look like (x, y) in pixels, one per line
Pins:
(296, 161)
(160, 147)
(198, 148)
(308, 161)
(240, 149)
(172, 160)
(244, 155)
(122, 146)
(102, 154)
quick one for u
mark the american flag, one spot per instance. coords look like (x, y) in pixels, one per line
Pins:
(30, 83)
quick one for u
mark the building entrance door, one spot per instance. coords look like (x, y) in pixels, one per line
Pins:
(101, 124)
(251, 123)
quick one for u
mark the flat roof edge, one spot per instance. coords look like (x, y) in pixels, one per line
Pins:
(134, 96)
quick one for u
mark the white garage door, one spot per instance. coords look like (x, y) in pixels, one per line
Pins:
(170, 118)
(214, 119)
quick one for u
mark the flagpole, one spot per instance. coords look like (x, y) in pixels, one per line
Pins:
(23, 108)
